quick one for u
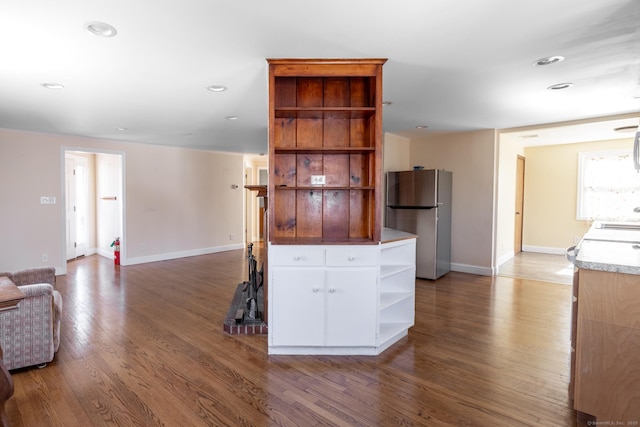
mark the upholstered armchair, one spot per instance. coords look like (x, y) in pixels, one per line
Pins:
(30, 334)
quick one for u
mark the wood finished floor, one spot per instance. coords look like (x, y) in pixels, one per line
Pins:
(539, 266)
(143, 346)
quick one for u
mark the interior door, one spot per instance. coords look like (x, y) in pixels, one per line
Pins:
(76, 205)
(517, 244)
(70, 206)
(263, 179)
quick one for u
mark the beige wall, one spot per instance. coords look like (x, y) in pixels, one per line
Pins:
(551, 182)
(178, 202)
(471, 156)
(396, 153)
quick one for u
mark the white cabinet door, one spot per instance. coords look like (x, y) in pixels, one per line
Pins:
(297, 306)
(351, 306)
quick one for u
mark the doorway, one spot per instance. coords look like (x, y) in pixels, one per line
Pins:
(519, 208)
(94, 202)
(263, 179)
(76, 204)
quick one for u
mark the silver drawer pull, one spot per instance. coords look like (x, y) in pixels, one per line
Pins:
(316, 290)
(297, 258)
(575, 299)
(351, 258)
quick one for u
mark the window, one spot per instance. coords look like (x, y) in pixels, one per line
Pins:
(608, 186)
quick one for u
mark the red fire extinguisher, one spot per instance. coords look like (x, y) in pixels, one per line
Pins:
(116, 251)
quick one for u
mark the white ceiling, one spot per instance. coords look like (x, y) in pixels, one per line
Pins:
(454, 65)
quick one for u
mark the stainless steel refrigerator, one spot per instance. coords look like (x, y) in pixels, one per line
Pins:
(419, 202)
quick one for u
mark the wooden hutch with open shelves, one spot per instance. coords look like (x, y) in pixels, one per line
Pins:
(325, 145)
(337, 283)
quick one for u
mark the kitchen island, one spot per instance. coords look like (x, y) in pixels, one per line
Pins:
(341, 299)
(605, 368)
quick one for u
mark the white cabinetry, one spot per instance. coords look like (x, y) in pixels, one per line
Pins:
(397, 290)
(340, 299)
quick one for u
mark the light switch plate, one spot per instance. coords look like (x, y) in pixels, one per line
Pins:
(318, 179)
(44, 200)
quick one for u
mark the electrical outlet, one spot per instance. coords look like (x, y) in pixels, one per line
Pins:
(318, 179)
(230, 236)
(45, 258)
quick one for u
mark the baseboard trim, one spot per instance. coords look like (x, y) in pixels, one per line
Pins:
(181, 254)
(506, 257)
(473, 269)
(544, 250)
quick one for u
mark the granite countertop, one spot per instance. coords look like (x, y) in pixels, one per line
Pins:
(615, 249)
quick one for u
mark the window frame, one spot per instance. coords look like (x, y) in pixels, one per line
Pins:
(583, 156)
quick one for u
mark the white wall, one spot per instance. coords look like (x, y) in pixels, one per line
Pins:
(178, 202)
(506, 200)
(108, 211)
(471, 156)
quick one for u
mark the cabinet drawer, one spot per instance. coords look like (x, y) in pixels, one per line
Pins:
(352, 256)
(296, 256)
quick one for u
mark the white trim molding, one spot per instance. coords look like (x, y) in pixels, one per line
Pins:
(175, 255)
(544, 250)
(474, 269)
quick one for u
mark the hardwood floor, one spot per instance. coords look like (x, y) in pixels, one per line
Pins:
(143, 345)
(539, 266)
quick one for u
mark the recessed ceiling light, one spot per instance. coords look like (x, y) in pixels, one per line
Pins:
(232, 117)
(422, 127)
(217, 88)
(531, 135)
(560, 86)
(626, 129)
(386, 103)
(121, 129)
(101, 29)
(548, 60)
(52, 86)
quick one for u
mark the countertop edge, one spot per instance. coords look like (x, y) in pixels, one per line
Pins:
(392, 235)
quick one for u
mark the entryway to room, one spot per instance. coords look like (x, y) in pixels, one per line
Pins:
(94, 202)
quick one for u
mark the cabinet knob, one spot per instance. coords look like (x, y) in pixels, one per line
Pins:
(332, 291)
(316, 290)
(351, 258)
(297, 258)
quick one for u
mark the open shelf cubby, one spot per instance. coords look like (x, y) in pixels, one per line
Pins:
(325, 150)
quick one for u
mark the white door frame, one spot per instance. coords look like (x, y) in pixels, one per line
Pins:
(75, 213)
(123, 229)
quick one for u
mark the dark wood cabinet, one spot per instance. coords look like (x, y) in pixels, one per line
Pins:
(325, 145)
